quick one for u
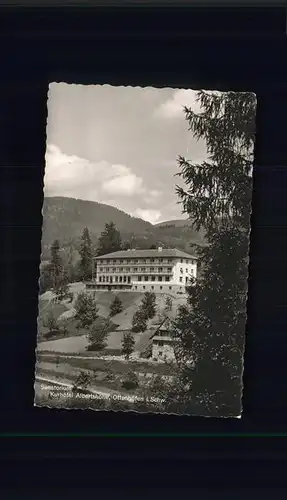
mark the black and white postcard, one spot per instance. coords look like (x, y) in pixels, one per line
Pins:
(143, 279)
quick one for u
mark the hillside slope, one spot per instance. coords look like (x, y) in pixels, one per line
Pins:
(65, 219)
(76, 342)
(179, 228)
(174, 223)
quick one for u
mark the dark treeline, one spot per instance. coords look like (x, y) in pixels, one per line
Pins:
(74, 259)
(62, 268)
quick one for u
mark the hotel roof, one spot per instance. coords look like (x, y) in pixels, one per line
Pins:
(135, 254)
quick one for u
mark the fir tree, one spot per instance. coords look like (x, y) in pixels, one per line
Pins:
(168, 304)
(71, 268)
(128, 344)
(125, 245)
(110, 240)
(56, 264)
(98, 335)
(86, 310)
(86, 253)
(64, 327)
(139, 322)
(211, 326)
(45, 280)
(116, 306)
(57, 272)
(148, 305)
(62, 289)
(51, 323)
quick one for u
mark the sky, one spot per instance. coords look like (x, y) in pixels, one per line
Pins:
(119, 146)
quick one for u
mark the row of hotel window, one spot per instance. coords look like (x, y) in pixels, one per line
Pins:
(152, 287)
(127, 279)
(141, 269)
(131, 269)
(144, 261)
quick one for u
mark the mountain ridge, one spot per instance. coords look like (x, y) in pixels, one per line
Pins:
(64, 218)
(174, 222)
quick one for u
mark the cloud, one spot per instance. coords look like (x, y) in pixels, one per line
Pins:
(154, 193)
(149, 215)
(65, 171)
(124, 185)
(112, 184)
(173, 108)
(70, 175)
(152, 197)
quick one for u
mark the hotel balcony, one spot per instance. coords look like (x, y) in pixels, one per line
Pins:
(135, 263)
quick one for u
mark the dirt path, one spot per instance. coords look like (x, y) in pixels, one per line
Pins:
(116, 359)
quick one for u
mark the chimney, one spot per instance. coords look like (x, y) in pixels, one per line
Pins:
(159, 249)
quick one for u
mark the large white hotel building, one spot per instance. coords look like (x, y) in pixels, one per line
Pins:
(160, 270)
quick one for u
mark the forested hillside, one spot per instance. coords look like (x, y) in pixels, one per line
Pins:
(65, 218)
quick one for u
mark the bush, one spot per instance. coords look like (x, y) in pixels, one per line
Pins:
(51, 334)
(64, 327)
(57, 361)
(129, 385)
(62, 289)
(130, 381)
(147, 353)
(82, 381)
(157, 385)
(51, 323)
(110, 376)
